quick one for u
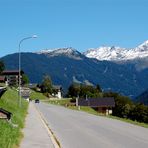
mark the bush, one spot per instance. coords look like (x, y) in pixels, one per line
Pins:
(139, 113)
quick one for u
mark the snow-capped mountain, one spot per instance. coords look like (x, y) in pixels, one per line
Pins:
(44, 51)
(67, 65)
(69, 51)
(118, 54)
(102, 53)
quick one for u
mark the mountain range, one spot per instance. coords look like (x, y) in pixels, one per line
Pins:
(142, 98)
(118, 69)
(117, 53)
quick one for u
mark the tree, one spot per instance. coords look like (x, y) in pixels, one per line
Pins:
(82, 91)
(139, 113)
(46, 86)
(25, 79)
(98, 88)
(123, 104)
(2, 66)
(73, 90)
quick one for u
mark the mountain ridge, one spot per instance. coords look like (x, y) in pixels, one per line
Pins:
(67, 65)
(142, 98)
(64, 69)
(117, 53)
(113, 53)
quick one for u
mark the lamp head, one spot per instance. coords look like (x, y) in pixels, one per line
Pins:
(34, 36)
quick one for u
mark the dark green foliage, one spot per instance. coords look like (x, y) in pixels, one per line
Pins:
(125, 108)
(73, 90)
(25, 79)
(122, 104)
(2, 66)
(98, 88)
(139, 113)
(46, 86)
(83, 91)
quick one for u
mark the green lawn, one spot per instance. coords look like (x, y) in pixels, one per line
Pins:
(37, 95)
(62, 102)
(2, 84)
(92, 111)
(129, 121)
(10, 136)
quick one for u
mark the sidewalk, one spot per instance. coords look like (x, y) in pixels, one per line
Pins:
(35, 133)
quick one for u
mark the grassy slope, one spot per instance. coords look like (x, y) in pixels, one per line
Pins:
(37, 95)
(11, 136)
(92, 111)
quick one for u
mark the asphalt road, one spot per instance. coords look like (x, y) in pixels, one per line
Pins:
(76, 129)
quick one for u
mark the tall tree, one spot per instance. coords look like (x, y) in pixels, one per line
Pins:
(46, 85)
(25, 79)
(2, 66)
(73, 90)
(98, 88)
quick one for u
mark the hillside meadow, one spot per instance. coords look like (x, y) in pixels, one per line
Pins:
(10, 132)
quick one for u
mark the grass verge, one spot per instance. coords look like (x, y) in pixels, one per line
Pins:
(37, 95)
(10, 136)
(92, 111)
(129, 121)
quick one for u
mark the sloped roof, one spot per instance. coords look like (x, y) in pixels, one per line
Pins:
(11, 72)
(2, 90)
(97, 102)
(7, 113)
(2, 78)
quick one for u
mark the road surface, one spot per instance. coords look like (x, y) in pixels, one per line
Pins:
(75, 129)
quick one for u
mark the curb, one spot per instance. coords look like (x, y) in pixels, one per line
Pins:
(54, 140)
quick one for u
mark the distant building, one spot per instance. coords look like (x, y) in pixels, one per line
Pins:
(3, 79)
(103, 105)
(12, 76)
(57, 91)
(25, 92)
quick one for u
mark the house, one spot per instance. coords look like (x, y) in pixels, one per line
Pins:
(57, 91)
(103, 105)
(12, 76)
(4, 114)
(3, 80)
(2, 90)
(25, 92)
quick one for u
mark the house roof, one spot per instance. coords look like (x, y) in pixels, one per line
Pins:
(97, 102)
(2, 78)
(2, 90)
(11, 72)
(6, 113)
(57, 87)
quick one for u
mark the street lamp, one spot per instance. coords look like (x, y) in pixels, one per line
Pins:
(26, 38)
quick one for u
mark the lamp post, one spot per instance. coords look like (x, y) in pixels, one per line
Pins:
(26, 38)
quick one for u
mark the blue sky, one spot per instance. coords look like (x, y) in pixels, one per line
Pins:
(81, 24)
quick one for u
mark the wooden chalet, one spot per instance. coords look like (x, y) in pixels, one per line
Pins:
(12, 76)
(3, 79)
(103, 105)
